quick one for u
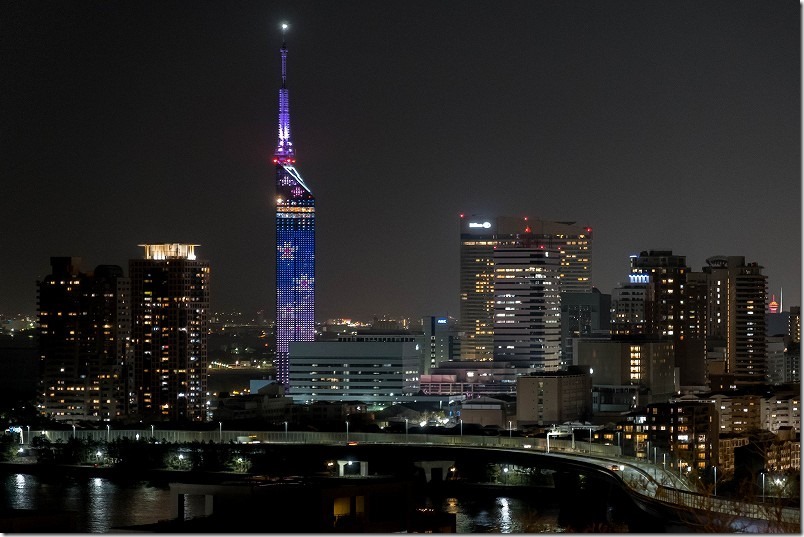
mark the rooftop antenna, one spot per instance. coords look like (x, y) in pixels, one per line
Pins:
(284, 149)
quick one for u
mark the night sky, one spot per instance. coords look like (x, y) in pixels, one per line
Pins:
(661, 124)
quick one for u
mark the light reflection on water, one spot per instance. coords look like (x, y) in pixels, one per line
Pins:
(501, 515)
(99, 504)
(102, 505)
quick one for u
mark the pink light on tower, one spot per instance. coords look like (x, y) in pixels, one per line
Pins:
(773, 307)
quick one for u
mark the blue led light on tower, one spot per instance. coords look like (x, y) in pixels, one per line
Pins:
(295, 242)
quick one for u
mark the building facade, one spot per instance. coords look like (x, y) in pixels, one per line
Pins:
(736, 293)
(295, 242)
(627, 373)
(552, 398)
(170, 308)
(527, 307)
(481, 236)
(440, 342)
(583, 315)
(371, 369)
(84, 342)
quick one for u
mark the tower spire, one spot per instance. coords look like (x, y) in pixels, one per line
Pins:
(284, 153)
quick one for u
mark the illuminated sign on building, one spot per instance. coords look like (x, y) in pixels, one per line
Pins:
(484, 225)
(442, 320)
(639, 278)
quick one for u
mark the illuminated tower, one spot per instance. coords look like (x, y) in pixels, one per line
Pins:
(295, 242)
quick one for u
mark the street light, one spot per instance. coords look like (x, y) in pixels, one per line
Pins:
(29, 433)
(715, 480)
(73, 430)
(406, 430)
(461, 430)
(654, 454)
(763, 487)
(286, 431)
(619, 445)
(347, 431)
(509, 429)
(152, 431)
(220, 432)
(108, 432)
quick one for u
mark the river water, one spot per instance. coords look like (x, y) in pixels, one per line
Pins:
(101, 505)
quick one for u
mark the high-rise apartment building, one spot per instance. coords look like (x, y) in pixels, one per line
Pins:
(170, 308)
(481, 236)
(665, 275)
(84, 323)
(295, 242)
(737, 294)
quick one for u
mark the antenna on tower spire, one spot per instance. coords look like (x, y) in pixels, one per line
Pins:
(284, 147)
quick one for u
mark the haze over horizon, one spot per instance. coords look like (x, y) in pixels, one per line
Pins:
(668, 125)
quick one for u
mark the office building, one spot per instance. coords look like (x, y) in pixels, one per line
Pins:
(170, 308)
(627, 373)
(557, 397)
(84, 324)
(372, 368)
(440, 342)
(583, 315)
(527, 307)
(295, 242)
(488, 241)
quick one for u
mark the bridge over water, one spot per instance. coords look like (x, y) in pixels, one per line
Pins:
(656, 489)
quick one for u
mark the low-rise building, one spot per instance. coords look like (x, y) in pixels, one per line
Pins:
(555, 397)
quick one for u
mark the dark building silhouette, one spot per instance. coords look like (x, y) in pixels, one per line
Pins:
(84, 324)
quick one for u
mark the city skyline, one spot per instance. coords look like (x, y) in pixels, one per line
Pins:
(669, 125)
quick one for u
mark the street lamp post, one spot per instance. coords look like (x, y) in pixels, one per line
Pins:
(619, 445)
(461, 430)
(29, 433)
(715, 480)
(654, 454)
(347, 431)
(664, 459)
(590, 439)
(509, 429)
(406, 430)
(286, 431)
(763, 487)
(73, 430)
(220, 432)
(108, 432)
(152, 431)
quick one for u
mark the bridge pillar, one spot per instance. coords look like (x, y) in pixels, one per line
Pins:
(430, 466)
(342, 467)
